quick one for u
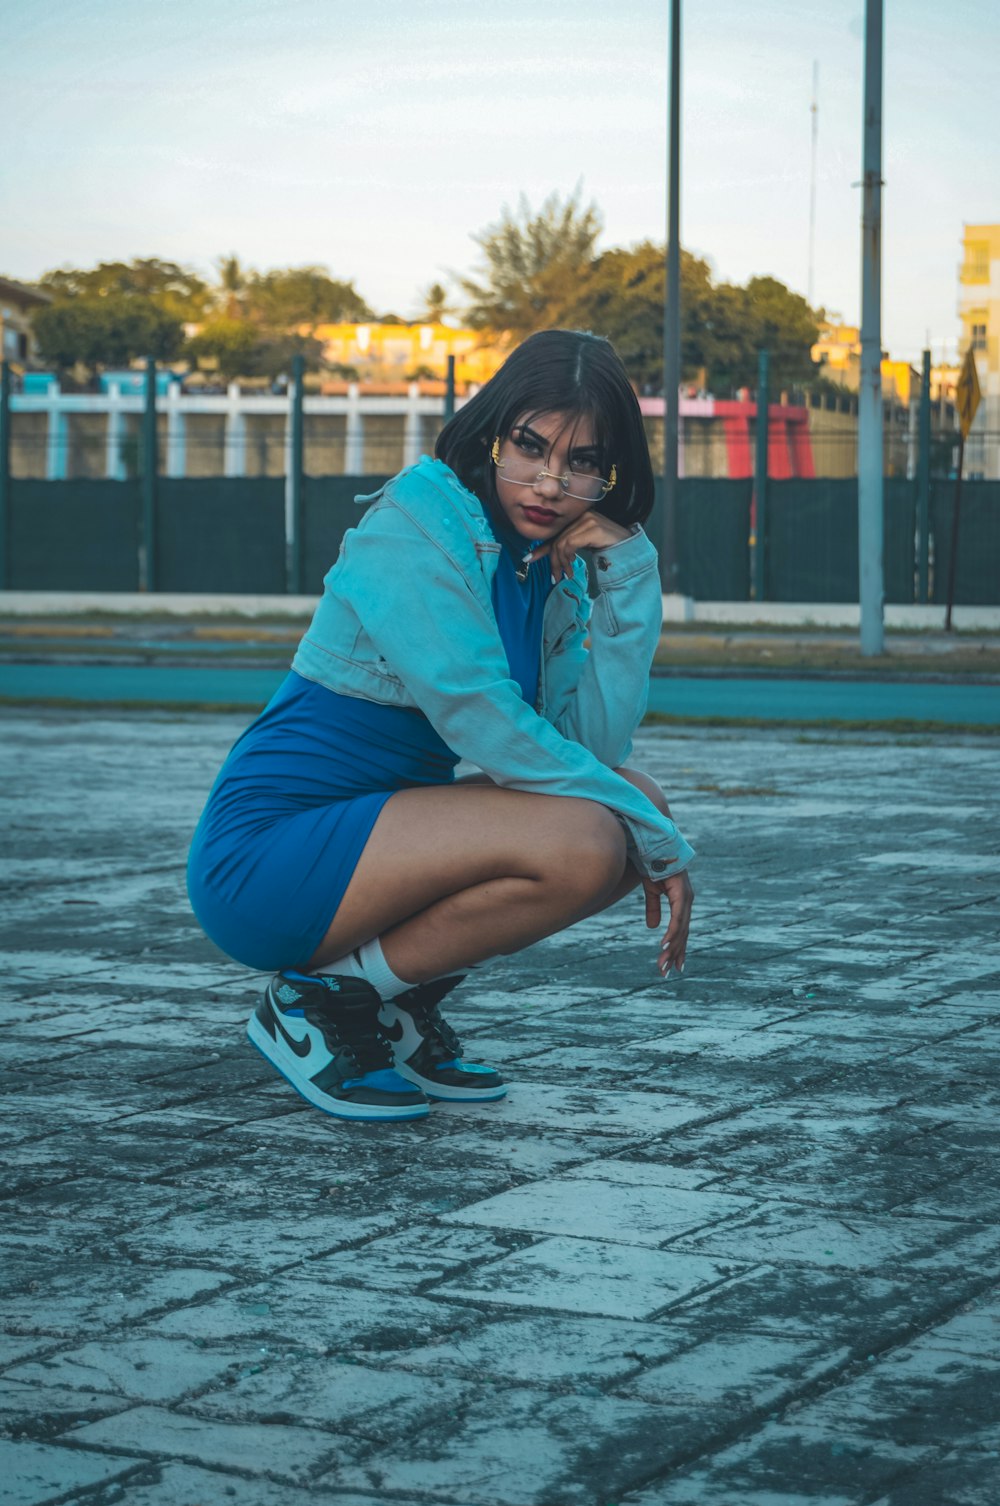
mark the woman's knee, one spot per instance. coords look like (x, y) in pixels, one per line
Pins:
(586, 856)
(649, 787)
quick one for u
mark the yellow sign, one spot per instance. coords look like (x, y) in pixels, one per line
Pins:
(967, 393)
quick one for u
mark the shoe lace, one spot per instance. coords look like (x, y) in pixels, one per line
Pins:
(355, 1032)
(438, 1034)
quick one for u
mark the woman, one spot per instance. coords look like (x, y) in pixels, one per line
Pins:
(338, 848)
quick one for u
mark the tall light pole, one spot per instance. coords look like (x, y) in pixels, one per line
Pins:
(870, 395)
(672, 313)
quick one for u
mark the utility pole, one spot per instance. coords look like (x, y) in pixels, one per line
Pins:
(814, 113)
(672, 315)
(871, 580)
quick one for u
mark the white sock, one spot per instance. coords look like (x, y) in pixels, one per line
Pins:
(368, 962)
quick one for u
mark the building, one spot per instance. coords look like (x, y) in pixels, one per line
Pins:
(407, 352)
(838, 353)
(979, 311)
(17, 305)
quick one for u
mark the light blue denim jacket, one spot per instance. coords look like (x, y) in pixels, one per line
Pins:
(406, 619)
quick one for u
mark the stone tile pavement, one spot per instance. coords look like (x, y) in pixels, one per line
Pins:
(729, 1242)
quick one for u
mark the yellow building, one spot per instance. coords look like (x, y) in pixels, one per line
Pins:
(979, 311)
(838, 353)
(398, 352)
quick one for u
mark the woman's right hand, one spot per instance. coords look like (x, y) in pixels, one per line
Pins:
(679, 895)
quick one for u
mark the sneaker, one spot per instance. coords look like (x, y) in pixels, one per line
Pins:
(323, 1035)
(428, 1052)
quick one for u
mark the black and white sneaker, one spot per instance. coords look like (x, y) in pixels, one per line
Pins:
(323, 1034)
(428, 1052)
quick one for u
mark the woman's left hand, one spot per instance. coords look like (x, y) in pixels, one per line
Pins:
(679, 895)
(590, 531)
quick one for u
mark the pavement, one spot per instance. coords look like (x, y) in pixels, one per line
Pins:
(730, 1241)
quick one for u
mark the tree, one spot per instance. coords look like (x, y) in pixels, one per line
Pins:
(533, 264)
(272, 357)
(786, 326)
(435, 304)
(622, 297)
(230, 343)
(230, 294)
(108, 331)
(286, 299)
(175, 290)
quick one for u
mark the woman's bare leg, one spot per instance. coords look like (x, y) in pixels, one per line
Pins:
(454, 874)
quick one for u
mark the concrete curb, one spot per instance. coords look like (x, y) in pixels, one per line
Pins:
(676, 609)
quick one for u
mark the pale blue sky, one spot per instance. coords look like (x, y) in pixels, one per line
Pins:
(376, 136)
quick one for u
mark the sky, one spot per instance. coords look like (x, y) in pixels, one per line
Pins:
(377, 137)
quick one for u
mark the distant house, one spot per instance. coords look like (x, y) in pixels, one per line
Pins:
(17, 305)
(979, 311)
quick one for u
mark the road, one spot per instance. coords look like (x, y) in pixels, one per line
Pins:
(706, 697)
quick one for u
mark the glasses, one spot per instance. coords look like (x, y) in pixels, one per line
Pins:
(523, 470)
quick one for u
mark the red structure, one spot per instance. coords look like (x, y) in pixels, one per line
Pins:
(789, 446)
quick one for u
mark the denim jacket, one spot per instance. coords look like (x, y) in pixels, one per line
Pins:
(406, 619)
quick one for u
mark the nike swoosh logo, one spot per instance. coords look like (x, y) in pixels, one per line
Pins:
(301, 1048)
(394, 1032)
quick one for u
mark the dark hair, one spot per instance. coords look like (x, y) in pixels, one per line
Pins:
(557, 370)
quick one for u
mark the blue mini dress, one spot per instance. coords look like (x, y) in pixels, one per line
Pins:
(296, 800)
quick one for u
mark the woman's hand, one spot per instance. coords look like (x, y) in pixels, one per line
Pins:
(680, 897)
(590, 531)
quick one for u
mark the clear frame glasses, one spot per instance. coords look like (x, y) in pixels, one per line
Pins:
(524, 470)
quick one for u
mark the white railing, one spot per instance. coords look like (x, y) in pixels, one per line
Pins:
(236, 407)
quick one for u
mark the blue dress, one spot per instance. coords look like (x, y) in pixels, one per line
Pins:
(297, 798)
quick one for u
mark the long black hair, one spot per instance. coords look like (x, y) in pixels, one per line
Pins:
(557, 371)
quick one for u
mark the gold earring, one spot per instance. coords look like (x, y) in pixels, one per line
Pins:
(495, 452)
(612, 479)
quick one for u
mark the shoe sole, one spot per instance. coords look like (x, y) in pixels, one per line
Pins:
(445, 1094)
(337, 1109)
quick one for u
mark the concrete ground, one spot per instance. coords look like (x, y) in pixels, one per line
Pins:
(730, 1241)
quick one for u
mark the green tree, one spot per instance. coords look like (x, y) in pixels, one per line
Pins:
(786, 326)
(532, 266)
(106, 331)
(435, 304)
(175, 290)
(272, 357)
(228, 343)
(287, 298)
(229, 296)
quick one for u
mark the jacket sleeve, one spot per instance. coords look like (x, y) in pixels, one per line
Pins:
(438, 636)
(598, 696)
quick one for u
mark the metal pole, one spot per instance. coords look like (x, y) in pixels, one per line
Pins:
(669, 571)
(924, 482)
(293, 481)
(5, 530)
(870, 460)
(758, 535)
(147, 547)
(449, 391)
(953, 556)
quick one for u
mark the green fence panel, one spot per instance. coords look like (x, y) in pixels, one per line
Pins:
(712, 532)
(977, 570)
(74, 535)
(713, 538)
(221, 534)
(329, 510)
(899, 548)
(812, 540)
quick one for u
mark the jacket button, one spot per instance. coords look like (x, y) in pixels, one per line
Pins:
(603, 563)
(658, 865)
